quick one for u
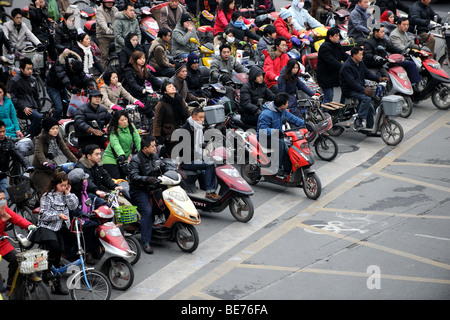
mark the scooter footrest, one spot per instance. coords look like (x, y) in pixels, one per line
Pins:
(333, 105)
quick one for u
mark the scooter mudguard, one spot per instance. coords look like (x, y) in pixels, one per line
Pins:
(230, 175)
(435, 69)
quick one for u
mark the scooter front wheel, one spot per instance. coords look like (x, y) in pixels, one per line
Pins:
(242, 208)
(441, 98)
(312, 186)
(186, 237)
(407, 107)
(391, 132)
(326, 148)
(120, 273)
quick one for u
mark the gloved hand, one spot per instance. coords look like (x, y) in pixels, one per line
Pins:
(139, 103)
(121, 160)
(225, 79)
(296, 40)
(29, 169)
(379, 58)
(40, 47)
(116, 108)
(49, 165)
(150, 179)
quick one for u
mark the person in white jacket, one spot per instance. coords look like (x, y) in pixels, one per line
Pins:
(301, 17)
(16, 31)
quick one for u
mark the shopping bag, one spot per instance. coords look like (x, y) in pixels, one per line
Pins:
(53, 10)
(76, 101)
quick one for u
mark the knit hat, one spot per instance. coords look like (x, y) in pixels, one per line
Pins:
(77, 66)
(185, 17)
(192, 58)
(48, 123)
(285, 13)
(179, 66)
(77, 175)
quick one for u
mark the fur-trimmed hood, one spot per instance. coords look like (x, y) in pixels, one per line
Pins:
(68, 54)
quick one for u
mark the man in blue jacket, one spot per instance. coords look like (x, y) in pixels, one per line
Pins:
(357, 22)
(270, 127)
(351, 77)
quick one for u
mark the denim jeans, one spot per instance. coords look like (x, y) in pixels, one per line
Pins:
(209, 173)
(141, 199)
(3, 185)
(328, 95)
(365, 109)
(36, 118)
(57, 96)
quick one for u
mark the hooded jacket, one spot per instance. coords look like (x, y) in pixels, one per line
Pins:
(251, 92)
(123, 25)
(128, 49)
(301, 16)
(273, 65)
(285, 30)
(60, 75)
(9, 117)
(180, 41)
(329, 62)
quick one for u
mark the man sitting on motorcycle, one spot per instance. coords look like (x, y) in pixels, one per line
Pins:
(375, 56)
(270, 128)
(194, 126)
(351, 78)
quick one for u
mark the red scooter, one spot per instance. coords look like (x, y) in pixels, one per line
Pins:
(300, 155)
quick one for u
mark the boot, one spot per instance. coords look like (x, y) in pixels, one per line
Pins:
(58, 289)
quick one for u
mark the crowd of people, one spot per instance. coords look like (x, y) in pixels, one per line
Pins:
(101, 118)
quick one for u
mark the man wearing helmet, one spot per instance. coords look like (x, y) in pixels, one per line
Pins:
(105, 17)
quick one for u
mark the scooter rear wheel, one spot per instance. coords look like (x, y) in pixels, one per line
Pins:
(391, 132)
(407, 107)
(312, 186)
(186, 237)
(251, 173)
(242, 208)
(441, 101)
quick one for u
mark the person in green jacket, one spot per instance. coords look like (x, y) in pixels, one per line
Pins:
(122, 137)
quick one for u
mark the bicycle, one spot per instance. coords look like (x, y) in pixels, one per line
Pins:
(87, 283)
(27, 284)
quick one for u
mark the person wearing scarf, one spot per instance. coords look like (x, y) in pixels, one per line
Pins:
(84, 50)
(198, 156)
(241, 32)
(171, 113)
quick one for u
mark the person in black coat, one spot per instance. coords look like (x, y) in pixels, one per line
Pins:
(240, 31)
(420, 16)
(65, 33)
(330, 59)
(40, 26)
(194, 79)
(85, 130)
(392, 5)
(4, 41)
(252, 91)
(129, 48)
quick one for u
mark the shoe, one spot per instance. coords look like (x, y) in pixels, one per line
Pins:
(359, 124)
(371, 134)
(281, 174)
(147, 248)
(58, 289)
(212, 196)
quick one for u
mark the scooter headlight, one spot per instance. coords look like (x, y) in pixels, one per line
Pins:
(231, 172)
(403, 76)
(177, 195)
(178, 211)
(115, 232)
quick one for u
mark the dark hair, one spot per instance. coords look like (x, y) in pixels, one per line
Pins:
(235, 15)
(57, 178)
(146, 141)
(129, 4)
(197, 110)
(278, 41)
(332, 32)
(377, 28)
(229, 30)
(133, 61)
(269, 29)
(113, 125)
(163, 32)
(2, 123)
(401, 19)
(288, 76)
(281, 98)
(224, 5)
(355, 50)
(16, 11)
(224, 46)
(164, 85)
(24, 61)
(107, 76)
(3, 87)
(90, 148)
(81, 36)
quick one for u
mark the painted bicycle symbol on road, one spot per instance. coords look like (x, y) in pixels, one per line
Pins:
(335, 227)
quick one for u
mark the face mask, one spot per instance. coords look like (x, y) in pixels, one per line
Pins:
(300, 5)
(70, 26)
(2, 202)
(230, 39)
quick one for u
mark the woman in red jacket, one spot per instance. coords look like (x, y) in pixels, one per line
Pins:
(275, 59)
(7, 251)
(223, 18)
(285, 28)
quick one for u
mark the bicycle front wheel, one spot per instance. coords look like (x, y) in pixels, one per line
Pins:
(33, 290)
(94, 286)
